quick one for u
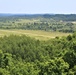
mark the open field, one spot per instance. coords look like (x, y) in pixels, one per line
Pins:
(41, 35)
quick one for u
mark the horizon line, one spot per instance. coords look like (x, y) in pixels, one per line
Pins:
(39, 13)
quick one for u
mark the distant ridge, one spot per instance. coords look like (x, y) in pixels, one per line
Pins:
(64, 17)
(3, 14)
(45, 15)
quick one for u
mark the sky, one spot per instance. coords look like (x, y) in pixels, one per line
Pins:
(38, 6)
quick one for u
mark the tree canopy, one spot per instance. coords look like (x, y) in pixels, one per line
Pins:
(23, 55)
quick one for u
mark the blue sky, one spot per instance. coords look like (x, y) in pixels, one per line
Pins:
(38, 6)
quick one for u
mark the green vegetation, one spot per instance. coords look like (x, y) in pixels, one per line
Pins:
(38, 44)
(59, 23)
(22, 55)
(38, 34)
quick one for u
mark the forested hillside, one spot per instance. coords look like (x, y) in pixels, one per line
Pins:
(22, 55)
(46, 22)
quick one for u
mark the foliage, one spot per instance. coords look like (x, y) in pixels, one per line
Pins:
(46, 22)
(22, 55)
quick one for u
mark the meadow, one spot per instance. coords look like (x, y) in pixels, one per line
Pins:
(37, 34)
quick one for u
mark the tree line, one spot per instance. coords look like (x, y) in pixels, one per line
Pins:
(59, 23)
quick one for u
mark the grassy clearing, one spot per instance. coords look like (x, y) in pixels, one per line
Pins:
(41, 35)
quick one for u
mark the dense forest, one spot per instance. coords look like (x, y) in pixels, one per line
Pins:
(46, 22)
(23, 55)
